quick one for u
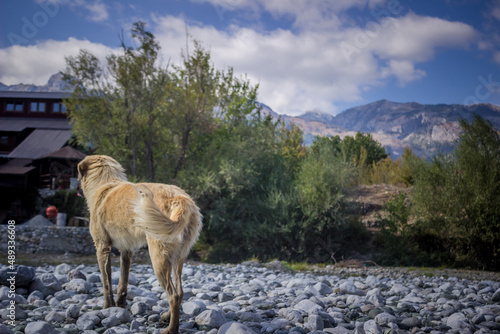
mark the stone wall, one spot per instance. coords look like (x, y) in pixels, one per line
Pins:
(49, 240)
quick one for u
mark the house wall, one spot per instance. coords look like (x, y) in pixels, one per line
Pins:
(49, 110)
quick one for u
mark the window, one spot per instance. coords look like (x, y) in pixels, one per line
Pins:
(37, 107)
(4, 140)
(14, 107)
(59, 107)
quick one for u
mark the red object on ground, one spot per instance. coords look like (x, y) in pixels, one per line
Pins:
(51, 212)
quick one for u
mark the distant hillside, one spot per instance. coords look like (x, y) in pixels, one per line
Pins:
(427, 129)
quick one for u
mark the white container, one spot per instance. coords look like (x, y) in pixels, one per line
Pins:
(73, 183)
(61, 219)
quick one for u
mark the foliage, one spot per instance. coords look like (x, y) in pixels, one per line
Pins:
(388, 171)
(116, 107)
(405, 242)
(152, 118)
(362, 149)
(455, 201)
(69, 202)
(367, 157)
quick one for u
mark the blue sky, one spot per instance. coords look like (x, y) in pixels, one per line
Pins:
(325, 55)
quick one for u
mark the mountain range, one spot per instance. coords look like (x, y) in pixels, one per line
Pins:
(55, 84)
(427, 129)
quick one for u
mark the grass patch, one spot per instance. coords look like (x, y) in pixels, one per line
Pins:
(296, 266)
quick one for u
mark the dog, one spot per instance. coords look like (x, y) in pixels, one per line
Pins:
(128, 216)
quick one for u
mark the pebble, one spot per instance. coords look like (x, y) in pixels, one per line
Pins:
(24, 275)
(252, 298)
(235, 328)
(40, 327)
(46, 283)
(210, 319)
(79, 285)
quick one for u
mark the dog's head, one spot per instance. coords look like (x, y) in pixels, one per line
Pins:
(96, 170)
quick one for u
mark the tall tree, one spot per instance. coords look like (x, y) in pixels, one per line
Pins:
(115, 106)
(203, 99)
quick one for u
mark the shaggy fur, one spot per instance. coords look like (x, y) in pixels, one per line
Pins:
(128, 216)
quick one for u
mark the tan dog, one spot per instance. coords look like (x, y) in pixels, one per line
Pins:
(127, 216)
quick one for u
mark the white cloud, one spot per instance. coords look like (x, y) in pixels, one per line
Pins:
(295, 72)
(94, 10)
(496, 57)
(36, 63)
(306, 14)
(97, 11)
(305, 70)
(403, 70)
(298, 69)
(495, 10)
(416, 38)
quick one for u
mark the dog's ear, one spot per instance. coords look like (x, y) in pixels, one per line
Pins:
(83, 166)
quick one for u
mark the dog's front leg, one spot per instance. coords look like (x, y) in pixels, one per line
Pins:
(125, 257)
(104, 260)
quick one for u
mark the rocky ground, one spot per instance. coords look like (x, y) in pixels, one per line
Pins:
(255, 298)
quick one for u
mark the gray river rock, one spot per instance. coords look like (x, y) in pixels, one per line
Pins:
(253, 298)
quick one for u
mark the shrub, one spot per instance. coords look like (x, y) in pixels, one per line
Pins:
(68, 201)
(456, 199)
(403, 242)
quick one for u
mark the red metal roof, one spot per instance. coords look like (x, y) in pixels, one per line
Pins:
(67, 152)
(41, 142)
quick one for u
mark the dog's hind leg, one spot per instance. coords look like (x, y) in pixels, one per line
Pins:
(104, 260)
(163, 265)
(121, 298)
(165, 317)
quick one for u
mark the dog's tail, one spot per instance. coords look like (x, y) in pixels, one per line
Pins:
(165, 224)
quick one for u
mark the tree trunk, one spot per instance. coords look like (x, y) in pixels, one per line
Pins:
(184, 147)
(149, 149)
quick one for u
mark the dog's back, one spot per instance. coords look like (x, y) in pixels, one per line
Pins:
(133, 212)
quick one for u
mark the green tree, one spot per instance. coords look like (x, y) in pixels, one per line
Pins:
(204, 99)
(478, 191)
(120, 114)
(292, 144)
(240, 180)
(153, 118)
(457, 196)
(362, 149)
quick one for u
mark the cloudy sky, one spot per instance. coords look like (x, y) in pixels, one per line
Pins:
(325, 55)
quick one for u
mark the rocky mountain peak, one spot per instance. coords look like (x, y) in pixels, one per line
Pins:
(54, 84)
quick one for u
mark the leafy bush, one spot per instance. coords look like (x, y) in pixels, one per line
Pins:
(456, 201)
(262, 195)
(68, 201)
(388, 171)
(403, 242)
